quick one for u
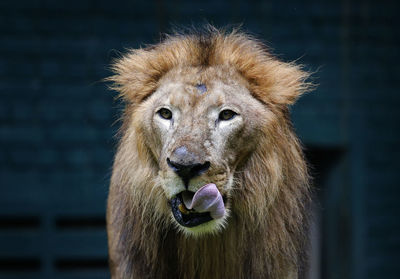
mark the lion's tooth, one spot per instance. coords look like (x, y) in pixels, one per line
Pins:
(182, 209)
(187, 198)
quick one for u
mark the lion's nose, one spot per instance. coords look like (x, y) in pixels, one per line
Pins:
(186, 164)
(187, 172)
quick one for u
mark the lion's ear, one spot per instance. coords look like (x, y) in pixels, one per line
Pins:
(270, 80)
(132, 78)
(288, 82)
(279, 82)
(137, 73)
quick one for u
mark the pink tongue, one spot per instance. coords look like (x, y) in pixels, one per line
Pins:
(206, 199)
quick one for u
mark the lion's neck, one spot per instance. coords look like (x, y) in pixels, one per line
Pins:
(233, 253)
(219, 256)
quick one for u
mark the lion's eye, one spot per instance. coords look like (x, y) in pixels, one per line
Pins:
(165, 113)
(227, 114)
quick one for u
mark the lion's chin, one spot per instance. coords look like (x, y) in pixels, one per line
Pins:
(194, 223)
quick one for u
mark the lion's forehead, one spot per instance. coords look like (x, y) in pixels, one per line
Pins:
(195, 97)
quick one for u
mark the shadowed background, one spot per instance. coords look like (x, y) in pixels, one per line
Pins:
(56, 124)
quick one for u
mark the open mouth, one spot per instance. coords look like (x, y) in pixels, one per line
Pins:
(187, 217)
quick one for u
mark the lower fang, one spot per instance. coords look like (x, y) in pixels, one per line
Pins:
(183, 209)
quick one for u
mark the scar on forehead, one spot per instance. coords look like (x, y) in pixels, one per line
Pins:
(201, 88)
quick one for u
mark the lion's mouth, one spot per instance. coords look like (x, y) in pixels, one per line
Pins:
(192, 209)
(187, 217)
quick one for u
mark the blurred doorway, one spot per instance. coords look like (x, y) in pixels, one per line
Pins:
(330, 228)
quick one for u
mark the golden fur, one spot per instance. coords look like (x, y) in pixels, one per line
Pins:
(265, 235)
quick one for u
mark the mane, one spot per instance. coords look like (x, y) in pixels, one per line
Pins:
(267, 231)
(271, 81)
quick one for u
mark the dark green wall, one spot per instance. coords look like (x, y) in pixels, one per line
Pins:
(56, 123)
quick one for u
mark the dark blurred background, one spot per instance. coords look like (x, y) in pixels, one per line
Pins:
(56, 124)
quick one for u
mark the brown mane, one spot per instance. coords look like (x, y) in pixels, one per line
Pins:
(267, 232)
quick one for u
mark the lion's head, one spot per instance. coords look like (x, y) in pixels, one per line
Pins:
(206, 123)
(200, 125)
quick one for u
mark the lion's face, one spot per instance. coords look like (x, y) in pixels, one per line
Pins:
(201, 125)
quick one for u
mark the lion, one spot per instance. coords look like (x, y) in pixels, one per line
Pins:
(209, 179)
